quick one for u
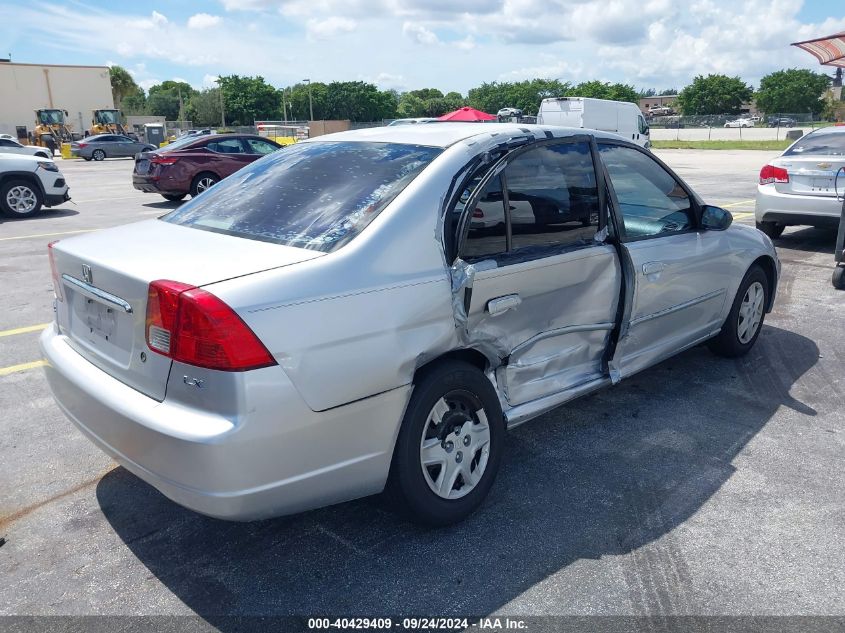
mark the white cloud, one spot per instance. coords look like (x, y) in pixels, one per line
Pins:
(420, 33)
(209, 81)
(387, 81)
(466, 44)
(203, 21)
(330, 27)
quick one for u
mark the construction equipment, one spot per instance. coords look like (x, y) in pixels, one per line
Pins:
(51, 129)
(107, 122)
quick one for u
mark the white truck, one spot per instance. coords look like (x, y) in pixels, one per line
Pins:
(619, 117)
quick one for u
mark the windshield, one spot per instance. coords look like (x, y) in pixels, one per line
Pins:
(317, 196)
(107, 116)
(826, 143)
(51, 117)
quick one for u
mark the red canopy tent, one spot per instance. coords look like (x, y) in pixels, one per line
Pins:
(467, 114)
(830, 50)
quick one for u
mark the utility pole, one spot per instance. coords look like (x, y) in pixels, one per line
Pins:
(222, 112)
(310, 102)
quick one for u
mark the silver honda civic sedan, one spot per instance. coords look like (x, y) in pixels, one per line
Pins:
(335, 321)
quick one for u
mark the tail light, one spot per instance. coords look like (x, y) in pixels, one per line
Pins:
(478, 213)
(163, 160)
(57, 283)
(80, 144)
(191, 325)
(770, 174)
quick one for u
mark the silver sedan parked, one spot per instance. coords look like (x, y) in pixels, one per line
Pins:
(329, 323)
(804, 185)
(104, 146)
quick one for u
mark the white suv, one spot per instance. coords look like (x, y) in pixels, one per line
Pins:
(28, 183)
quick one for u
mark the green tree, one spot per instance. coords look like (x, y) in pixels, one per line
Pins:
(427, 93)
(248, 99)
(525, 95)
(599, 90)
(122, 84)
(204, 108)
(410, 106)
(169, 99)
(792, 91)
(714, 94)
(134, 103)
(428, 102)
(359, 101)
(297, 98)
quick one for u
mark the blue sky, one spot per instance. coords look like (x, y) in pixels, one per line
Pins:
(408, 44)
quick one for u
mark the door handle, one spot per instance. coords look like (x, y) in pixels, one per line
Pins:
(503, 304)
(651, 268)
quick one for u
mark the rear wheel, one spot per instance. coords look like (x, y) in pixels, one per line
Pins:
(745, 320)
(449, 446)
(98, 155)
(772, 229)
(174, 197)
(20, 199)
(839, 278)
(203, 182)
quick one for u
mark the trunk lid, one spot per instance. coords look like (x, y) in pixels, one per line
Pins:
(105, 277)
(811, 175)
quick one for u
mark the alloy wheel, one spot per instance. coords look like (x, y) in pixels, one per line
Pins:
(21, 199)
(750, 312)
(205, 183)
(455, 445)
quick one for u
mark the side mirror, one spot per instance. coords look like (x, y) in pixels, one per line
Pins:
(715, 218)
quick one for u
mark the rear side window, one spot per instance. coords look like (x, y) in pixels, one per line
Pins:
(828, 144)
(226, 146)
(316, 195)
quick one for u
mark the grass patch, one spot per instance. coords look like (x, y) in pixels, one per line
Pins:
(765, 145)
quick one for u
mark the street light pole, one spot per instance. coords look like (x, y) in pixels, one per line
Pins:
(222, 113)
(310, 101)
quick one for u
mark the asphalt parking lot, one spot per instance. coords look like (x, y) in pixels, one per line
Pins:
(703, 486)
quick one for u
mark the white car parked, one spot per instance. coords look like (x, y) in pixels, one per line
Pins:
(11, 146)
(28, 183)
(741, 122)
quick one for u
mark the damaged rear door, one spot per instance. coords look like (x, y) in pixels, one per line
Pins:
(542, 292)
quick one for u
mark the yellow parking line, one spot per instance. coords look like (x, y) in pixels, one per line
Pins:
(743, 214)
(737, 204)
(27, 237)
(24, 330)
(5, 371)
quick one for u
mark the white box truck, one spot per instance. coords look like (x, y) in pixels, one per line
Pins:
(620, 117)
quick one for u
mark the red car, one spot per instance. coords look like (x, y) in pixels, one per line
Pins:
(192, 164)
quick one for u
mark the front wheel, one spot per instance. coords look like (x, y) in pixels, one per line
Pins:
(449, 445)
(745, 320)
(773, 229)
(20, 199)
(839, 278)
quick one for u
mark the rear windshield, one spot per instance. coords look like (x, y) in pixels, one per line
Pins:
(826, 143)
(311, 195)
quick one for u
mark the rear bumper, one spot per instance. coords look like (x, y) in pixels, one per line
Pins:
(273, 456)
(148, 185)
(772, 206)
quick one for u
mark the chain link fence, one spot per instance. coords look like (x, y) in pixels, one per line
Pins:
(719, 127)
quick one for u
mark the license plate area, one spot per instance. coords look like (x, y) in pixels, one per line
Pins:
(103, 329)
(824, 185)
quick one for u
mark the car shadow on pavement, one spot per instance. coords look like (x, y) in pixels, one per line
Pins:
(602, 476)
(808, 239)
(46, 214)
(164, 204)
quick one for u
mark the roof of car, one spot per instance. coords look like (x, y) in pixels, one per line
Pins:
(446, 134)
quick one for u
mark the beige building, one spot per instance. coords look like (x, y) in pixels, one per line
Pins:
(25, 88)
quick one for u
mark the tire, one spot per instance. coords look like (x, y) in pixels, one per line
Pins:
(174, 197)
(773, 229)
(88, 159)
(98, 155)
(20, 199)
(442, 414)
(839, 278)
(745, 320)
(203, 182)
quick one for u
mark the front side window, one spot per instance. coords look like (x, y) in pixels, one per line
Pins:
(315, 195)
(651, 201)
(260, 147)
(552, 205)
